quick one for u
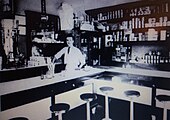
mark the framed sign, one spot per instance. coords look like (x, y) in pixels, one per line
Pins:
(21, 24)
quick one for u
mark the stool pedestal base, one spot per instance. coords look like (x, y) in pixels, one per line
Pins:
(106, 119)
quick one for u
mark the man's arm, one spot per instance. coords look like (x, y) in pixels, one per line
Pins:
(81, 60)
(59, 54)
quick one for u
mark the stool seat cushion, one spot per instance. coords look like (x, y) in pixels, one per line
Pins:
(130, 93)
(88, 96)
(162, 98)
(106, 88)
(60, 107)
(19, 118)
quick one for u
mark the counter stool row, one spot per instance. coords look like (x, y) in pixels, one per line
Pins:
(61, 108)
(129, 93)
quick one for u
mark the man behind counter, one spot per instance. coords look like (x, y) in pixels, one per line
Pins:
(73, 57)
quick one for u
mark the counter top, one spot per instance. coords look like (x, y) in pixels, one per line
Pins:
(149, 78)
(21, 68)
(136, 71)
(26, 72)
(64, 82)
(33, 82)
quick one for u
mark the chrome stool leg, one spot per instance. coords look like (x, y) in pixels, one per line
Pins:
(105, 90)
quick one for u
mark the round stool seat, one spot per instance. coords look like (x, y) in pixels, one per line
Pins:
(163, 98)
(132, 93)
(60, 107)
(88, 96)
(106, 89)
(19, 118)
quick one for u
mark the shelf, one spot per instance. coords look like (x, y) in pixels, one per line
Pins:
(163, 66)
(140, 27)
(142, 30)
(142, 42)
(49, 42)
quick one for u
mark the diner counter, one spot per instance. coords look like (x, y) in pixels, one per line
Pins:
(33, 82)
(31, 90)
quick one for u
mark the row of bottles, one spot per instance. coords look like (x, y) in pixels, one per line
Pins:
(140, 11)
(156, 57)
(147, 10)
(128, 35)
(143, 22)
(115, 36)
(149, 35)
(133, 12)
(124, 54)
(110, 15)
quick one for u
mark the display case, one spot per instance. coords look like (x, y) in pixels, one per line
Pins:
(42, 33)
(91, 46)
(42, 38)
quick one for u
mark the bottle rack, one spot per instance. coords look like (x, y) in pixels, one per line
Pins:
(132, 24)
(156, 57)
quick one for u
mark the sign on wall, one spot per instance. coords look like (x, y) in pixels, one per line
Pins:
(21, 24)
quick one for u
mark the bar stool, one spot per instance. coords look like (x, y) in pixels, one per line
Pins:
(106, 90)
(164, 99)
(19, 118)
(59, 109)
(132, 94)
(88, 97)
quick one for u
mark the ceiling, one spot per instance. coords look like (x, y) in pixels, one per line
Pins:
(52, 5)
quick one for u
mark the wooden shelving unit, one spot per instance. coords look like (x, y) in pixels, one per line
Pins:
(38, 28)
(132, 24)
